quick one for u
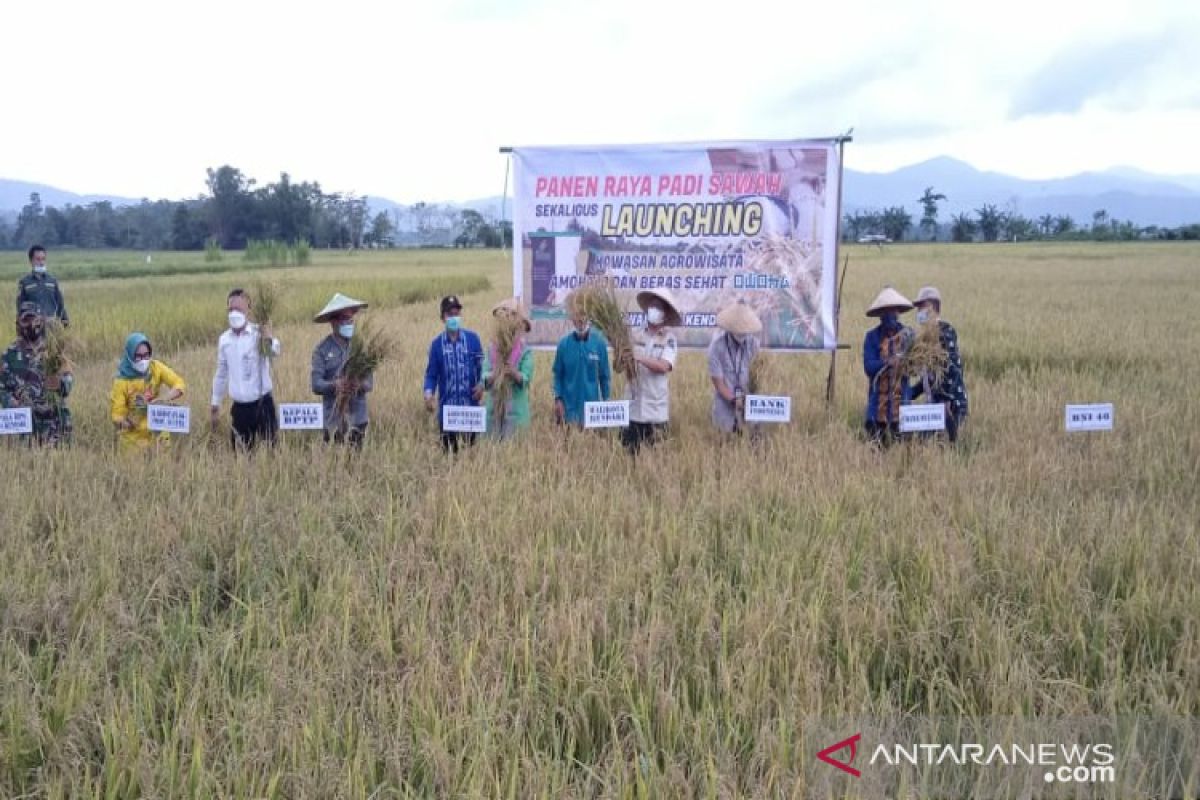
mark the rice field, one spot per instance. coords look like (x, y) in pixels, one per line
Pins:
(548, 618)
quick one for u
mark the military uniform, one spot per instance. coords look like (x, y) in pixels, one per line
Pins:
(43, 290)
(23, 385)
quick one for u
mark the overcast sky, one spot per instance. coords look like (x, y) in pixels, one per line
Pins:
(410, 100)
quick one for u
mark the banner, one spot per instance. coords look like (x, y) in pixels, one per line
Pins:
(712, 222)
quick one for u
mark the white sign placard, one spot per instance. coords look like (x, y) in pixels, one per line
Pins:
(1091, 417)
(925, 417)
(464, 419)
(768, 408)
(301, 416)
(16, 420)
(168, 419)
(606, 414)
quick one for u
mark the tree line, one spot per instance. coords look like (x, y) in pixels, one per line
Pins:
(989, 223)
(235, 211)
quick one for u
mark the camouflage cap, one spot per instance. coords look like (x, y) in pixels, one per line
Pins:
(29, 309)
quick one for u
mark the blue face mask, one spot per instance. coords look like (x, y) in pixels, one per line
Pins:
(453, 324)
(346, 330)
(890, 320)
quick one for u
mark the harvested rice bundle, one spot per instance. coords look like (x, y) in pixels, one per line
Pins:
(507, 328)
(925, 359)
(58, 348)
(266, 301)
(368, 349)
(599, 302)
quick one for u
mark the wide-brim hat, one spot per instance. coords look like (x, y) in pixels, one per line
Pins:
(739, 319)
(928, 293)
(889, 299)
(513, 306)
(340, 302)
(674, 318)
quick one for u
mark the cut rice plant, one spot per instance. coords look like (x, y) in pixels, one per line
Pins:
(368, 349)
(924, 358)
(265, 304)
(507, 328)
(760, 373)
(599, 302)
(58, 348)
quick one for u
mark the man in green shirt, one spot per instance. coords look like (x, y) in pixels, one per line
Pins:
(581, 371)
(42, 288)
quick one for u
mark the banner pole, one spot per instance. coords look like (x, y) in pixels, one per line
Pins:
(830, 381)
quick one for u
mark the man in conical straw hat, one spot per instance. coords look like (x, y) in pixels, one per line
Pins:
(729, 358)
(328, 376)
(883, 352)
(654, 352)
(515, 368)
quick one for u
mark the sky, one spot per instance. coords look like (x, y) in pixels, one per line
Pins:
(412, 100)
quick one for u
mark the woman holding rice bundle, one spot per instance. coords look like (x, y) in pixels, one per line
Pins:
(729, 359)
(508, 371)
(137, 385)
(947, 387)
(883, 362)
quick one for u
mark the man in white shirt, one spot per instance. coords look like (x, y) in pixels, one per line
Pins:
(654, 351)
(244, 372)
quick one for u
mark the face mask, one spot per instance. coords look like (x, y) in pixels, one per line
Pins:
(583, 329)
(31, 333)
(237, 320)
(142, 365)
(923, 315)
(453, 323)
(40, 269)
(346, 330)
(655, 316)
(890, 320)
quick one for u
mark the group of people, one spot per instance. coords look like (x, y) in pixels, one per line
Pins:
(460, 370)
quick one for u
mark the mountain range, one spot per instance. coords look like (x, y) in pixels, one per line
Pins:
(1124, 192)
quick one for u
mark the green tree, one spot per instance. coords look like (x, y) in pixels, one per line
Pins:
(895, 222)
(229, 205)
(929, 203)
(962, 228)
(990, 220)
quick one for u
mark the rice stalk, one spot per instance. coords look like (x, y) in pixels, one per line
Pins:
(925, 359)
(266, 302)
(599, 303)
(507, 328)
(368, 349)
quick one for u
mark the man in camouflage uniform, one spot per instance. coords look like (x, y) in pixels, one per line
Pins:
(25, 384)
(40, 287)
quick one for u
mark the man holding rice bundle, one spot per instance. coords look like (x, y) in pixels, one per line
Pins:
(729, 358)
(883, 362)
(947, 387)
(654, 353)
(581, 371)
(33, 377)
(343, 395)
(508, 371)
(454, 371)
(244, 373)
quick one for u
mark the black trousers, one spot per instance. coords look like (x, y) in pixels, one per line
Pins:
(353, 437)
(883, 433)
(450, 440)
(252, 422)
(642, 433)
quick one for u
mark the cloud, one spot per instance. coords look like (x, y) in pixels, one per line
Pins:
(1092, 72)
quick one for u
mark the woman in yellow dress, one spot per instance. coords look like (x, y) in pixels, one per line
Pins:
(139, 380)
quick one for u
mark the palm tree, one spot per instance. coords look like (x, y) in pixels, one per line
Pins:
(929, 202)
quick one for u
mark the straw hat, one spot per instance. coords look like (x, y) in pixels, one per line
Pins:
(674, 318)
(889, 299)
(340, 302)
(928, 293)
(513, 306)
(739, 319)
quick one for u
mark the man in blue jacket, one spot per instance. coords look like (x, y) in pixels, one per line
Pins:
(454, 372)
(883, 353)
(581, 371)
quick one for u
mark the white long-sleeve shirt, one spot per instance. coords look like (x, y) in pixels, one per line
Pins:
(241, 370)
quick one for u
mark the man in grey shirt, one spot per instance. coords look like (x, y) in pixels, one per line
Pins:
(729, 358)
(328, 374)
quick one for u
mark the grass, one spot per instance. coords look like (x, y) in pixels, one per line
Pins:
(546, 617)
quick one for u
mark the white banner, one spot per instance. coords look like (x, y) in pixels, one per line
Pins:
(1090, 417)
(168, 419)
(464, 419)
(924, 417)
(301, 416)
(767, 408)
(606, 414)
(713, 222)
(15, 421)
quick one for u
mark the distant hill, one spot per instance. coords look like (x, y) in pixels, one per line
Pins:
(1124, 192)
